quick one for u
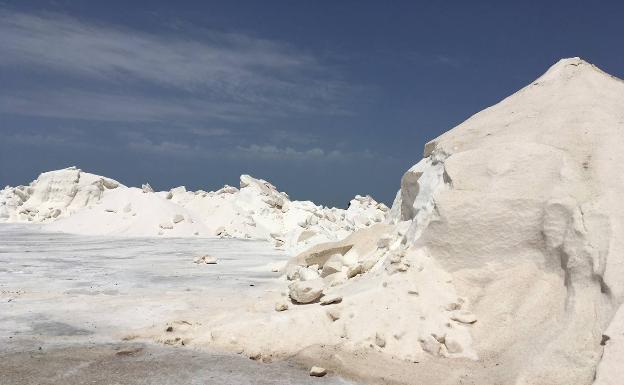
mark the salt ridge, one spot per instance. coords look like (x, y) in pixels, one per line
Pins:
(74, 201)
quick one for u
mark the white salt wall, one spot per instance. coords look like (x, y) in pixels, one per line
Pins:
(415, 202)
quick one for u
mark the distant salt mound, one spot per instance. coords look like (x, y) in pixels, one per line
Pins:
(53, 195)
(83, 203)
(505, 245)
(259, 210)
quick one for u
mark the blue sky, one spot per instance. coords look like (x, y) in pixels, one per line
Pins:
(326, 99)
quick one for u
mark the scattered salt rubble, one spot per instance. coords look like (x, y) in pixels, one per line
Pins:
(206, 259)
(504, 245)
(79, 202)
(317, 371)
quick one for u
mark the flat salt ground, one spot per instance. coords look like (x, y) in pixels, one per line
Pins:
(78, 296)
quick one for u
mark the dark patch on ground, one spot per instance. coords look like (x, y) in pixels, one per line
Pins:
(57, 329)
(136, 363)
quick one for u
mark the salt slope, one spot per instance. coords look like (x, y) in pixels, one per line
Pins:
(83, 203)
(132, 212)
(532, 226)
(504, 245)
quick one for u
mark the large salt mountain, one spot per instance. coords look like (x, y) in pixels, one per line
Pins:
(74, 201)
(501, 260)
(529, 223)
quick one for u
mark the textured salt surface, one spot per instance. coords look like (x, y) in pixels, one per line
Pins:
(76, 296)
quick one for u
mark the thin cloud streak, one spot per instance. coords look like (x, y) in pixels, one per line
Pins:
(231, 76)
(255, 152)
(70, 45)
(112, 107)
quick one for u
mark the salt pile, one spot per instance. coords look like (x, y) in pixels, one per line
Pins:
(78, 202)
(259, 210)
(501, 260)
(53, 195)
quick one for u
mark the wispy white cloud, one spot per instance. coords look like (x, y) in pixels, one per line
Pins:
(209, 131)
(38, 139)
(435, 59)
(172, 148)
(272, 152)
(293, 137)
(115, 107)
(166, 147)
(223, 75)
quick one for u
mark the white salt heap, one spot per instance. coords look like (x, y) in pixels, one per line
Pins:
(53, 195)
(501, 260)
(259, 210)
(83, 203)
